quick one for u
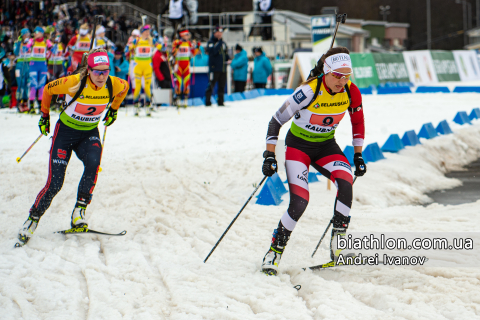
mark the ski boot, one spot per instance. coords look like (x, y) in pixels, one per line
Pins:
(340, 226)
(28, 228)
(274, 254)
(148, 110)
(31, 109)
(137, 107)
(78, 215)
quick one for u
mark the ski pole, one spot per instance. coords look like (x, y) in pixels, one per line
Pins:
(104, 134)
(328, 227)
(23, 155)
(339, 18)
(103, 144)
(233, 221)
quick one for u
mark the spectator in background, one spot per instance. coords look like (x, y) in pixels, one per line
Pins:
(200, 59)
(217, 66)
(4, 77)
(120, 63)
(12, 85)
(111, 58)
(265, 7)
(240, 68)
(161, 68)
(176, 12)
(262, 68)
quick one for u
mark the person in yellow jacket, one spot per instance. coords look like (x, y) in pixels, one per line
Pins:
(143, 50)
(88, 94)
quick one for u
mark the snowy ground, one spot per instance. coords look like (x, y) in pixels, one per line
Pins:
(175, 182)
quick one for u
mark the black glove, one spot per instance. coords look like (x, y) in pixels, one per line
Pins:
(269, 164)
(360, 167)
(44, 124)
(110, 116)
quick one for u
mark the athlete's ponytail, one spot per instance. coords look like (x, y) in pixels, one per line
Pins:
(318, 69)
(83, 70)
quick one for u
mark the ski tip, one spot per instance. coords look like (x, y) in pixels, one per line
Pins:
(124, 232)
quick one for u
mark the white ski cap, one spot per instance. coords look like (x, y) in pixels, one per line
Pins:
(337, 61)
(136, 32)
(100, 29)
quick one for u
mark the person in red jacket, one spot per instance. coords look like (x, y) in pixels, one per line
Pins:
(161, 68)
(79, 44)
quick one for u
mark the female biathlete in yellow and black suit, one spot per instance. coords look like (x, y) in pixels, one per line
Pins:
(88, 94)
(317, 106)
(143, 49)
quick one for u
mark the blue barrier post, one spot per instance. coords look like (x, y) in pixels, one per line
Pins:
(410, 138)
(349, 152)
(475, 114)
(393, 144)
(443, 128)
(466, 89)
(277, 182)
(268, 195)
(427, 131)
(461, 118)
(372, 153)
(394, 90)
(424, 89)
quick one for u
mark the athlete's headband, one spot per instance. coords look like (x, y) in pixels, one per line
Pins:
(337, 61)
(98, 59)
(146, 27)
(184, 32)
(83, 32)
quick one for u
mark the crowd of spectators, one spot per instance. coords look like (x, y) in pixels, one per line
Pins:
(15, 15)
(63, 21)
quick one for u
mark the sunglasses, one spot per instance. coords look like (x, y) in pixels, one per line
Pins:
(339, 75)
(98, 73)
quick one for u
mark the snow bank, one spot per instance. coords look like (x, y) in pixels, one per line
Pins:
(175, 182)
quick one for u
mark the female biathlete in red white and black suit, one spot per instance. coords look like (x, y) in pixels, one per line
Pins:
(318, 106)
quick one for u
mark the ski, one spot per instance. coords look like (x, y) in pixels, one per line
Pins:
(87, 230)
(327, 265)
(332, 264)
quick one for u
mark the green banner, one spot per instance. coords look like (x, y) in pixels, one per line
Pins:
(390, 67)
(364, 72)
(445, 66)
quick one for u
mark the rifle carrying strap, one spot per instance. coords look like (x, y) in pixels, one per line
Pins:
(83, 83)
